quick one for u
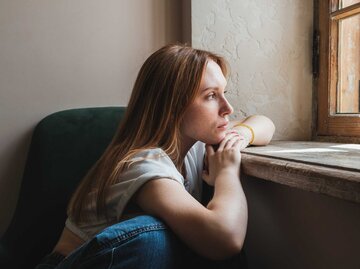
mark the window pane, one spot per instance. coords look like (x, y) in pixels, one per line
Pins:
(348, 65)
(346, 3)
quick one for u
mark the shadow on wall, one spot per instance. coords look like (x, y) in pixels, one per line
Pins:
(292, 228)
(177, 16)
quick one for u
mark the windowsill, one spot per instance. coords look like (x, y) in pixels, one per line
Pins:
(328, 168)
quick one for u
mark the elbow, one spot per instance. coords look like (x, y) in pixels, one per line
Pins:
(234, 245)
(270, 130)
(228, 233)
(228, 243)
(267, 133)
(231, 239)
(226, 250)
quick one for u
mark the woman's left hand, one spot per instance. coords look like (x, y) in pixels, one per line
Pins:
(244, 142)
(233, 141)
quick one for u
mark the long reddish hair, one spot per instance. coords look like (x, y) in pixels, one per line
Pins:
(165, 86)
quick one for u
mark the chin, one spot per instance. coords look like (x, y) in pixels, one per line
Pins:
(213, 141)
(220, 138)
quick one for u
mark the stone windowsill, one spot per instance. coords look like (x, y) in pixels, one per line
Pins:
(328, 168)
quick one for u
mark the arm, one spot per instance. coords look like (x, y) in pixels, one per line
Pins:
(216, 231)
(262, 126)
(262, 132)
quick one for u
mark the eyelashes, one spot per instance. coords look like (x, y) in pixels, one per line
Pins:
(213, 95)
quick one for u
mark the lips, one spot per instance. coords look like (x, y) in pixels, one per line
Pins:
(223, 126)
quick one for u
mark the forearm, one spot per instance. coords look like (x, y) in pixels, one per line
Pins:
(263, 129)
(227, 190)
(206, 231)
(222, 231)
(229, 206)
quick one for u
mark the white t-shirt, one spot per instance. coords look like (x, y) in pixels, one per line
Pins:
(148, 164)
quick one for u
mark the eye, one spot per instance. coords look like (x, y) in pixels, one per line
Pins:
(211, 96)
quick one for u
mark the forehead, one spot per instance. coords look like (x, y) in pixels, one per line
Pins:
(213, 76)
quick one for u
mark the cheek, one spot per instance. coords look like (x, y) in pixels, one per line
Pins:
(201, 124)
(205, 130)
(202, 121)
(206, 114)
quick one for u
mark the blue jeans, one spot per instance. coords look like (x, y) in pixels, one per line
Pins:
(141, 242)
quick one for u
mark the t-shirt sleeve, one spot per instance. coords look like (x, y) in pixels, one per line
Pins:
(147, 165)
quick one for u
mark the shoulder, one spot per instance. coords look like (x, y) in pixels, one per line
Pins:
(151, 163)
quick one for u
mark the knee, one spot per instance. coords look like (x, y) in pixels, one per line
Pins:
(143, 234)
(159, 241)
(156, 248)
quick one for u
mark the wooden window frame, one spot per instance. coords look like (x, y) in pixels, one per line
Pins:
(329, 125)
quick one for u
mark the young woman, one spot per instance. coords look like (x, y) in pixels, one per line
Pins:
(140, 204)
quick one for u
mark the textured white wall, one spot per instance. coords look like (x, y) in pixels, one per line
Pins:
(268, 46)
(64, 54)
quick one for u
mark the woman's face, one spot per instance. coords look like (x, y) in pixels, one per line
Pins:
(206, 119)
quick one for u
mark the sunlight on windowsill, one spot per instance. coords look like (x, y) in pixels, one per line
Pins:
(327, 168)
(348, 146)
(306, 150)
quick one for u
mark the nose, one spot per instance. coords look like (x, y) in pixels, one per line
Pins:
(226, 108)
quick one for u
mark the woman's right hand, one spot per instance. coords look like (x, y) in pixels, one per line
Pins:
(226, 158)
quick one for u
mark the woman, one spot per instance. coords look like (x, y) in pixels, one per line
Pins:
(140, 204)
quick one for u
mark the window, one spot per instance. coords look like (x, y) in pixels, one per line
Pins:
(337, 68)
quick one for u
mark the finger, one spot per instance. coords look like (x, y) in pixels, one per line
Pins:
(232, 132)
(239, 144)
(209, 149)
(244, 143)
(231, 141)
(205, 164)
(205, 159)
(205, 175)
(225, 140)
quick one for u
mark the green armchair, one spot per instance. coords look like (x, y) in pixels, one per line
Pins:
(63, 147)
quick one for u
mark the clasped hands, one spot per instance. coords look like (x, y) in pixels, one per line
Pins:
(224, 157)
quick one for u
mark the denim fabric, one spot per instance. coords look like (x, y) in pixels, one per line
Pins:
(142, 242)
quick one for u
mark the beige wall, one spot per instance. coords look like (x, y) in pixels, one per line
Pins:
(56, 55)
(268, 46)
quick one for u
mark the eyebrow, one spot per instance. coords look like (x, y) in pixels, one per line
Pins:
(210, 88)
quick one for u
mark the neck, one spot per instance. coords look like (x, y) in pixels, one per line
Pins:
(185, 145)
